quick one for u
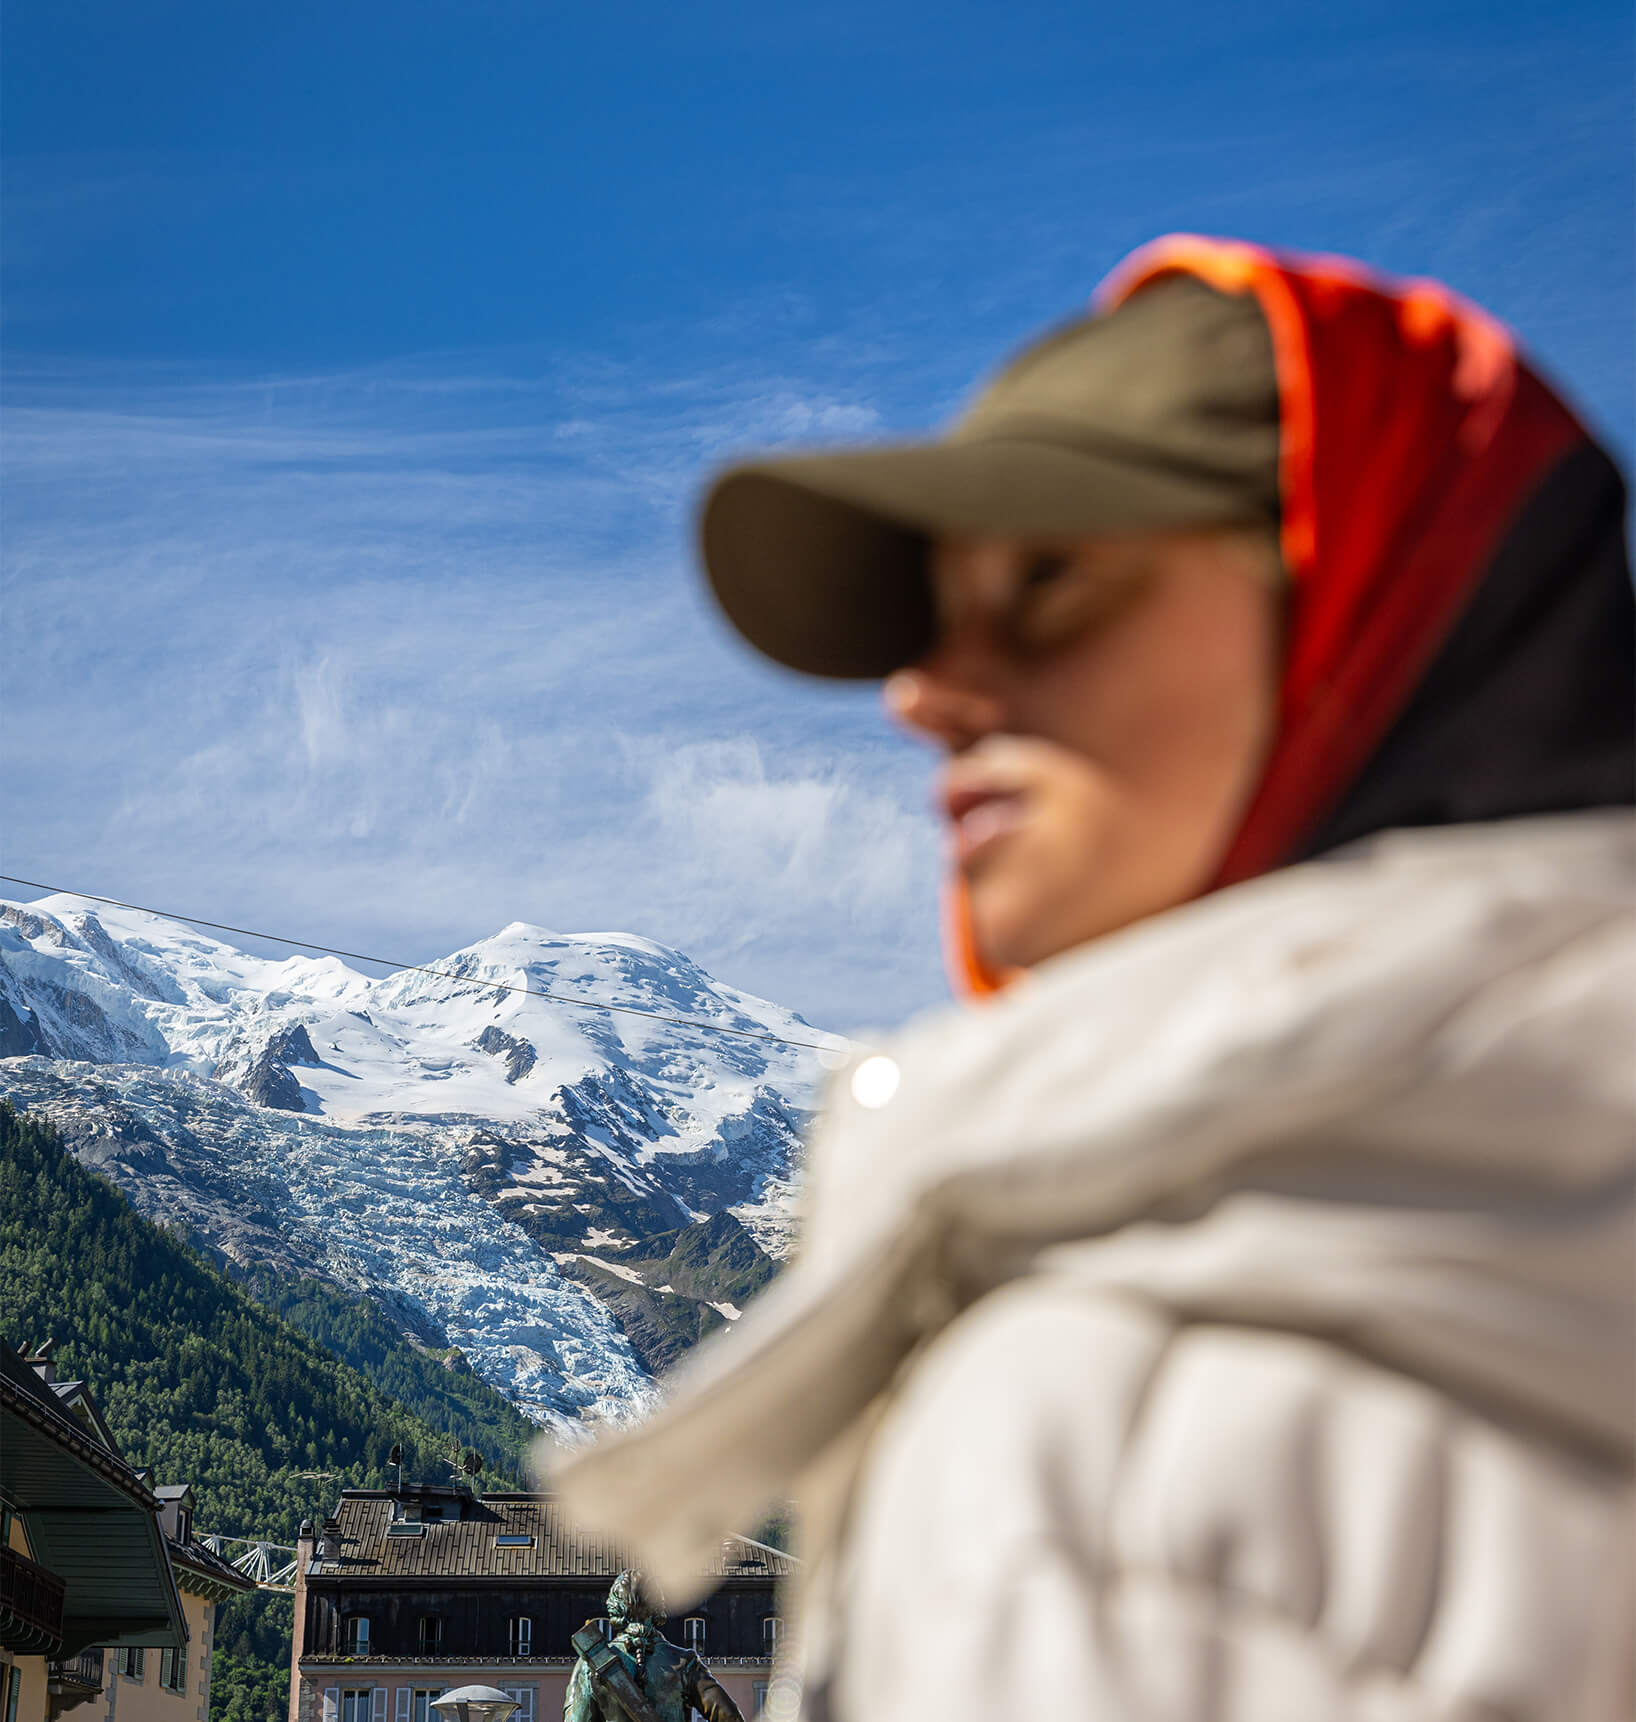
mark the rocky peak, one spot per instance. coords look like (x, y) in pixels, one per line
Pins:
(21, 1035)
(271, 1082)
(292, 1045)
(519, 1055)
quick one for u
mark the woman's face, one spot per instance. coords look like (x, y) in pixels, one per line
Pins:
(1106, 705)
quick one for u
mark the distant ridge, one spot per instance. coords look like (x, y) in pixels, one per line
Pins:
(491, 1170)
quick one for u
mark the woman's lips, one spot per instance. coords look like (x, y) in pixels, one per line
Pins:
(980, 818)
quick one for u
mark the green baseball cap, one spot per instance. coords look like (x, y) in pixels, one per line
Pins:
(1160, 414)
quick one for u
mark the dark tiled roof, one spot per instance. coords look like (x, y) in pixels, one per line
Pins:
(203, 1561)
(467, 1547)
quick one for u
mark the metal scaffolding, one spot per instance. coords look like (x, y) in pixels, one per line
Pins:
(271, 1565)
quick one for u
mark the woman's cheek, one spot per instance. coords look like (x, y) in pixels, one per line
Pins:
(1051, 886)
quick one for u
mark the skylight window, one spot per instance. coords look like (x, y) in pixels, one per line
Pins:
(510, 1540)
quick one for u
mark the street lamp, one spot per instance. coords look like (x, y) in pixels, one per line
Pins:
(475, 1704)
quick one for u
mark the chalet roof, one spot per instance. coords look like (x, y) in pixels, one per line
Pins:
(77, 1397)
(203, 1572)
(468, 1547)
(37, 1403)
(90, 1519)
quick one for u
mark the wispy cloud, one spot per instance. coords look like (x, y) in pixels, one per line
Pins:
(388, 658)
(390, 654)
(806, 853)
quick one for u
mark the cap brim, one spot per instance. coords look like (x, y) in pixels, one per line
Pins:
(820, 561)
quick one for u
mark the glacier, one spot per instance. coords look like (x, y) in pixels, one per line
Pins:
(490, 1165)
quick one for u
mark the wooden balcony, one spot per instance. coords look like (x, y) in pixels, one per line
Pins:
(75, 1680)
(31, 1602)
(79, 1676)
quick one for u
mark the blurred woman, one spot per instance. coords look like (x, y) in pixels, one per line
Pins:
(1228, 1310)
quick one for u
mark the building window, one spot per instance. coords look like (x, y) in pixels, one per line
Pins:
(693, 1633)
(358, 1635)
(772, 1630)
(524, 1696)
(520, 1635)
(173, 1670)
(358, 1704)
(420, 1703)
(431, 1634)
(758, 1689)
(133, 1664)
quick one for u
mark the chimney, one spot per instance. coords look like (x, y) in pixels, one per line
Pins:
(298, 1640)
(329, 1544)
(42, 1363)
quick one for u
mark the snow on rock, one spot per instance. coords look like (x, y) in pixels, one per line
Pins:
(438, 1142)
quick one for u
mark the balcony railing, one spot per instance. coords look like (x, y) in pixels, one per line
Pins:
(30, 1606)
(74, 1681)
(80, 1676)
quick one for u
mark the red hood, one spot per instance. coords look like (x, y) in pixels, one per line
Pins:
(1411, 435)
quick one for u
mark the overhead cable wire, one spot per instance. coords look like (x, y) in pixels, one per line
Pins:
(831, 1044)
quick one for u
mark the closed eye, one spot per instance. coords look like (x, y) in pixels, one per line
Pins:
(1043, 569)
(1060, 597)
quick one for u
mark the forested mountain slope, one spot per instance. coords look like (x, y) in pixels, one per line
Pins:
(195, 1377)
(438, 1386)
(201, 1382)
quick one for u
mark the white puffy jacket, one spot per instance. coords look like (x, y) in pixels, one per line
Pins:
(1235, 1320)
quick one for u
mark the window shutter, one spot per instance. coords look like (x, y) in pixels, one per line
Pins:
(377, 1705)
(332, 1704)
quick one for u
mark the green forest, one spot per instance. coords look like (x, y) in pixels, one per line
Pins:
(268, 1411)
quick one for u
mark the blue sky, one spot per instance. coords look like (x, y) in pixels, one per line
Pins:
(362, 364)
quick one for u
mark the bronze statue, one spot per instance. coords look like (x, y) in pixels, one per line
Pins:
(636, 1674)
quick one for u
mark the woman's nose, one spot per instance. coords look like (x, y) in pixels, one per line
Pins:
(945, 703)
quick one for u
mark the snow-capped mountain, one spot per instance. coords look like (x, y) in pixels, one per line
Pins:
(569, 1195)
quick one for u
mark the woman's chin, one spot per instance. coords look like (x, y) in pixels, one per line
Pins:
(1015, 928)
(1006, 934)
